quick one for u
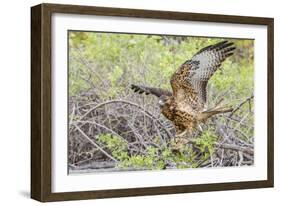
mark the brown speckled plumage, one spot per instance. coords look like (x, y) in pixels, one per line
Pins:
(185, 105)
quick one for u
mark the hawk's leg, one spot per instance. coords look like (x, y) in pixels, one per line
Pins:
(180, 141)
(186, 133)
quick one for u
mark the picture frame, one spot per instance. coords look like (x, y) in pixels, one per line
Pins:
(42, 88)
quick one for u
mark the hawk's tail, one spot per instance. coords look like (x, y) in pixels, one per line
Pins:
(219, 110)
(150, 90)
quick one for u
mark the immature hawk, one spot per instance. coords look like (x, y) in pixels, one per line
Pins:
(185, 106)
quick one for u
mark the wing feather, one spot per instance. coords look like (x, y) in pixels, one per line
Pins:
(158, 92)
(193, 75)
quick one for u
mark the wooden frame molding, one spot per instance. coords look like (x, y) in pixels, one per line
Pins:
(41, 101)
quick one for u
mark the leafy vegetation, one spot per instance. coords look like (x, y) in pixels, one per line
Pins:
(156, 158)
(129, 127)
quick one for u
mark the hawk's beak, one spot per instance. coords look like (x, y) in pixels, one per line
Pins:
(161, 102)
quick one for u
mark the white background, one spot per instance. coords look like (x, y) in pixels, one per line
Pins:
(15, 102)
(61, 182)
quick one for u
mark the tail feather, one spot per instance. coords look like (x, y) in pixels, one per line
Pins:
(219, 110)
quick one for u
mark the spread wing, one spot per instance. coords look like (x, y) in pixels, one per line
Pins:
(191, 79)
(158, 92)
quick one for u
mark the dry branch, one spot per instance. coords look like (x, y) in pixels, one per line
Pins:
(130, 103)
(236, 148)
(240, 105)
(137, 123)
(95, 144)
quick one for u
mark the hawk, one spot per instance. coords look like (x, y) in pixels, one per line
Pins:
(185, 105)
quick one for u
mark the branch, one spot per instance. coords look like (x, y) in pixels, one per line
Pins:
(235, 147)
(88, 65)
(228, 146)
(240, 105)
(95, 144)
(93, 165)
(133, 104)
(104, 127)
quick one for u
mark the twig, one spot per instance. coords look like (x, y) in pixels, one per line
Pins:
(237, 120)
(93, 165)
(240, 105)
(241, 158)
(87, 65)
(235, 147)
(137, 135)
(130, 103)
(104, 127)
(72, 114)
(222, 156)
(95, 144)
